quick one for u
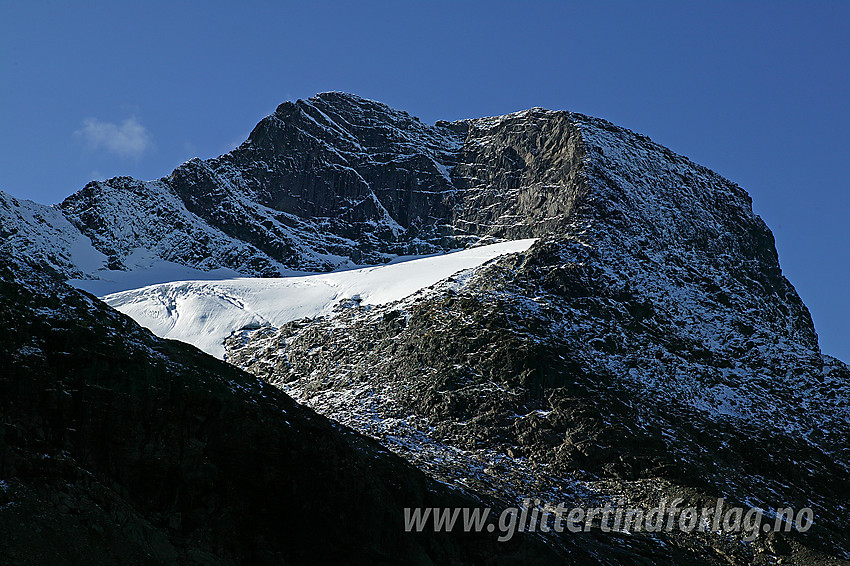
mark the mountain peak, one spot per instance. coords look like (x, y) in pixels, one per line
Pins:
(645, 346)
(338, 179)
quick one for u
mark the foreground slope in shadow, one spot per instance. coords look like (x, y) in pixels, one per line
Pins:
(117, 447)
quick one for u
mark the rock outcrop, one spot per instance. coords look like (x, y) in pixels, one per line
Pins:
(117, 447)
(339, 180)
(646, 347)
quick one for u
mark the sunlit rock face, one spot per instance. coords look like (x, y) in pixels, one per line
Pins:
(339, 180)
(645, 347)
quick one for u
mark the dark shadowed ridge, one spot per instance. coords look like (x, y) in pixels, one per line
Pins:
(646, 347)
(117, 447)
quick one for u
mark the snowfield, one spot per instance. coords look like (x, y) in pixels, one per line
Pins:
(204, 313)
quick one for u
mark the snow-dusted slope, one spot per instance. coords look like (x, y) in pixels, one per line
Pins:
(338, 181)
(42, 235)
(125, 215)
(142, 269)
(647, 339)
(327, 183)
(204, 313)
(647, 345)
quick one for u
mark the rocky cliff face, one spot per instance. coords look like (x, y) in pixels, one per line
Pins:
(646, 347)
(336, 180)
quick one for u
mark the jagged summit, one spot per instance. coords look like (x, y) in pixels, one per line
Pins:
(339, 180)
(357, 108)
(646, 346)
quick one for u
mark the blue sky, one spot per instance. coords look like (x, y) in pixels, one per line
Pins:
(756, 91)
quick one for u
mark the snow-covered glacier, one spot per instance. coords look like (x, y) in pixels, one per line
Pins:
(204, 313)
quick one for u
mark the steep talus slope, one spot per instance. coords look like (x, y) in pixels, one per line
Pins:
(648, 346)
(117, 447)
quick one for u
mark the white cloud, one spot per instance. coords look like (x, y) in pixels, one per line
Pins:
(130, 139)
